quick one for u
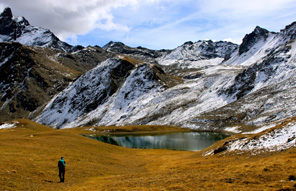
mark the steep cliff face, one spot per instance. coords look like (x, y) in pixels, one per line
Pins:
(11, 28)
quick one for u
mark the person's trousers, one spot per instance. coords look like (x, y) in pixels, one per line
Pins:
(62, 175)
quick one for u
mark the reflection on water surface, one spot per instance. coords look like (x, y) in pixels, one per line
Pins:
(187, 141)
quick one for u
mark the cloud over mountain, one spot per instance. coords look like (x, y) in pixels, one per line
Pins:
(71, 17)
(153, 23)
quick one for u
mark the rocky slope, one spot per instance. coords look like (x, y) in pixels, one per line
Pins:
(28, 79)
(200, 54)
(223, 85)
(115, 86)
(32, 75)
(265, 89)
(184, 60)
(274, 137)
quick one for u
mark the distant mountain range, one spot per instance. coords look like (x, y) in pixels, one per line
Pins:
(201, 85)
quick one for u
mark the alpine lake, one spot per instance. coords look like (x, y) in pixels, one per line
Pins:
(183, 141)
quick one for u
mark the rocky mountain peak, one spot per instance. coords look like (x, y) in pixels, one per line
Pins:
(18, 29)
(6, 13)
(291, 26)
(290, 31)
(197, 54)
(8, 26)
(260, 31)
(118, 47)
(188, 43)
(22, 21)
(8, 21)
(250, 39)
(140, 53)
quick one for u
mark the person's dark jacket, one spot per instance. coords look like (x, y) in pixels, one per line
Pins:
(61, 165)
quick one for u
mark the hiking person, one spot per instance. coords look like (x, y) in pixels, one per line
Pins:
(62, 166)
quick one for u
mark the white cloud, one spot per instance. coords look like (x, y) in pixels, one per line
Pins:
(2, 7)
(231, 40)
(68, 17)
(217, 20)
(154, 23)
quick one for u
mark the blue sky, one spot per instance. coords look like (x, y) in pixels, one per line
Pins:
(155, 24)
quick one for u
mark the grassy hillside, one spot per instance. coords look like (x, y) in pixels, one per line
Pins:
(30, 152)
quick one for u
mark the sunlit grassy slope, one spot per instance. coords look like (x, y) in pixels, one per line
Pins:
(30, 152)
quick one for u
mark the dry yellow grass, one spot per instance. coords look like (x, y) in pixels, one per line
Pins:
(30, 152)
(132, 60)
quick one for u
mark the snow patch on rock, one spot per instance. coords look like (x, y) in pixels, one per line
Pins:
(233, 129)
(275, 140)
(8, 125)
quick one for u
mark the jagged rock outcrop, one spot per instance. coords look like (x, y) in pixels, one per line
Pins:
(250, 39)
(289, 33)
(9, 27)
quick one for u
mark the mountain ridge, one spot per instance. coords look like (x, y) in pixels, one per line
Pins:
(201, 85)
(222, 74)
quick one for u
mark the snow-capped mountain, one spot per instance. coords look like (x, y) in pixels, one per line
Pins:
(116, 84)
(181, 59)
(201, 85)
(264, 90)
(140, 53)
(198, 54)
(18, 29)
(223, 85)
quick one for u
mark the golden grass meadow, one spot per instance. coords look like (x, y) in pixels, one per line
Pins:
(30, 152)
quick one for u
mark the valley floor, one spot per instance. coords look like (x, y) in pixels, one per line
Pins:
(30, 152)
